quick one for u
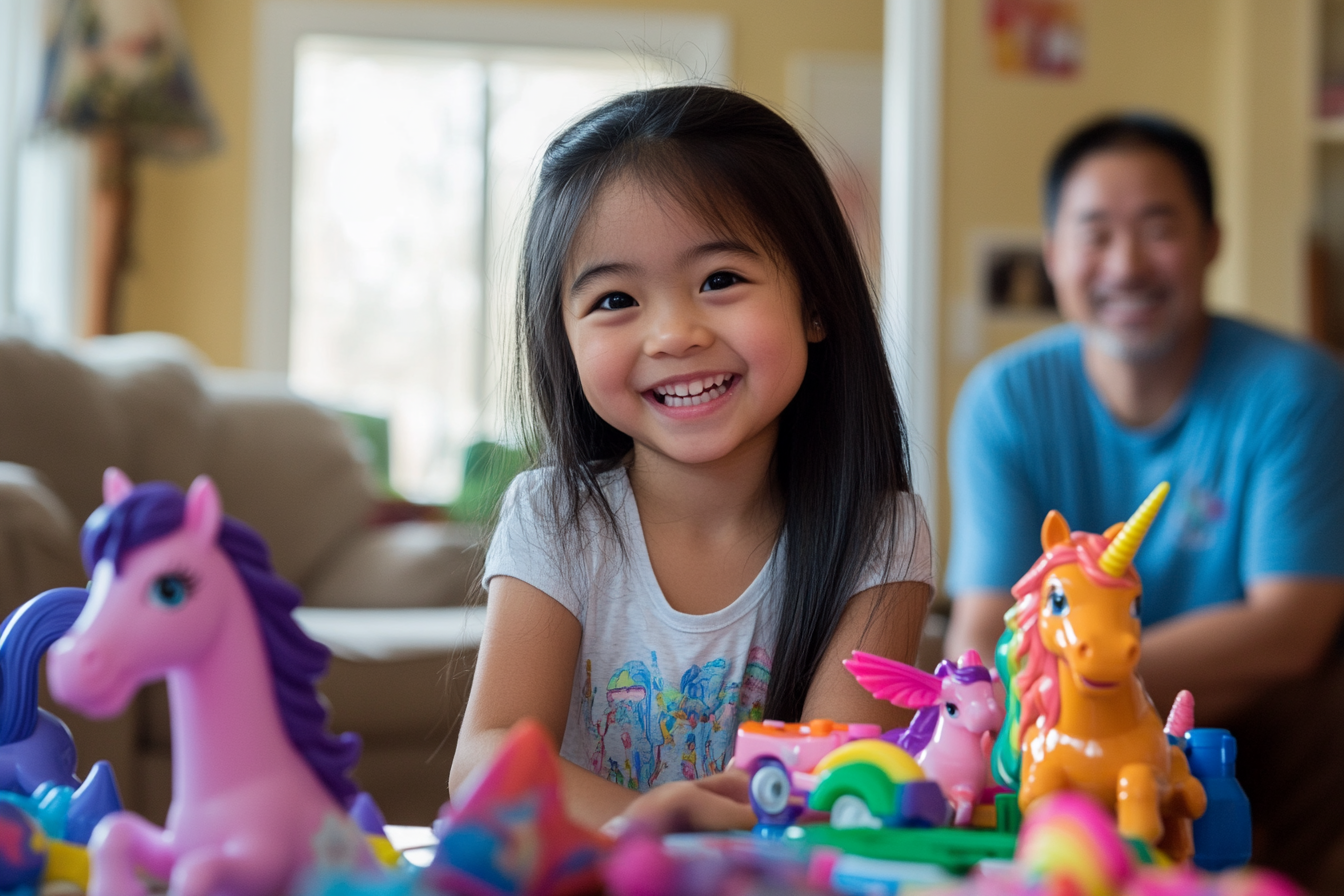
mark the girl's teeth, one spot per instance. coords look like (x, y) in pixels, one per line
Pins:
(688, 395)
(695, 387)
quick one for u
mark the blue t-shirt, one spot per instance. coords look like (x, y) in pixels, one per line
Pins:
(1254, 453)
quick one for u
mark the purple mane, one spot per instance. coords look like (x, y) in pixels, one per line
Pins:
(154, 510)
(915, 738)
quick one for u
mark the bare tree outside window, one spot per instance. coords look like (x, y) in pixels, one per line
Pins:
(412, 164)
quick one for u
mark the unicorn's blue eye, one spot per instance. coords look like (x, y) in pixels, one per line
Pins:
(170, 590)
(1059, 601)
(1136, 608)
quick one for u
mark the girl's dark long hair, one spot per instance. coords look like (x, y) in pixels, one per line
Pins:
(841, 459)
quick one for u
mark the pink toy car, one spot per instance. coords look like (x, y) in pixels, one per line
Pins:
(780, 756)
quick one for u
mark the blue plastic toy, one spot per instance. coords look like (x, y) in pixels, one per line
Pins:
(1223, 833)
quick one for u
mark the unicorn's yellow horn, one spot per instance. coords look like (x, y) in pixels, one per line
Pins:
(1118, 554)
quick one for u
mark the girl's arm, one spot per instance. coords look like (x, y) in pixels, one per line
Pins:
(887, 620)
(526, 668)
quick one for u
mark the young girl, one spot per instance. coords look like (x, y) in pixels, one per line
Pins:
(722, 509)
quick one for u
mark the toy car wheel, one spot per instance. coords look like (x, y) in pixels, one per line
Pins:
(850, 811)
(770, 789)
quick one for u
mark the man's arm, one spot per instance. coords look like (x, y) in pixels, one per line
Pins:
(977, 622)
(1230, 654)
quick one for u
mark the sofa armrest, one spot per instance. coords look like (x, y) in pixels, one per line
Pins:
(412, 564)
(394, 635)
(39, 544)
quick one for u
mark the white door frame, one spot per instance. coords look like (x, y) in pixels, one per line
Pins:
(911, 143)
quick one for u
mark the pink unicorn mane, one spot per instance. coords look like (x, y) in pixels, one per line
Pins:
(1038, 683)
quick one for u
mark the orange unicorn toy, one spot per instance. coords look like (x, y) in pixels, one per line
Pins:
(1083, 720)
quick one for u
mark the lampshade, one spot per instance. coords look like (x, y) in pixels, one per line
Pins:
(123, 67)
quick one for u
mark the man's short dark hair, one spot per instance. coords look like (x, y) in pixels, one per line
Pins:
(1132, 131)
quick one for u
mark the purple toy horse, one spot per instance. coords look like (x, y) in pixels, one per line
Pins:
(184, 593)
(952, 733)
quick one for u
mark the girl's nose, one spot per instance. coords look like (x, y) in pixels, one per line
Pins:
(677, 331)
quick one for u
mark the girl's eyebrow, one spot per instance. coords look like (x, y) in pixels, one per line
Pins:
(599, 270)
(714, 247)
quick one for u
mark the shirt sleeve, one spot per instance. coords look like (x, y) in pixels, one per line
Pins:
(995, 518)
(526, 545)
(1295, 499)
(906, 557)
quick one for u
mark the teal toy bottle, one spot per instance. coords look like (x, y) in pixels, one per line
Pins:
(1223, 833)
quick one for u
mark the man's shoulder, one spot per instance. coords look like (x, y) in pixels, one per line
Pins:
(1250, 359)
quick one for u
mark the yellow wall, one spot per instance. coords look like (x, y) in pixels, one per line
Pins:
(190, 264)
(1236, 71)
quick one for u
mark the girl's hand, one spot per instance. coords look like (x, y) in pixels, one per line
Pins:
(716, 803)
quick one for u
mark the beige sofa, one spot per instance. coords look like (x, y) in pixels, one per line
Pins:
(388, 599)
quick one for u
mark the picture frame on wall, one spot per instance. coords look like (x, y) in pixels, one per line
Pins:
(1010, 274)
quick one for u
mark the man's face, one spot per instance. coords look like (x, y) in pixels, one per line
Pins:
(1128, 251)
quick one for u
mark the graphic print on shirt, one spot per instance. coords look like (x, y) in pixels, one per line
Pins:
(1199, 511)
(644, 730)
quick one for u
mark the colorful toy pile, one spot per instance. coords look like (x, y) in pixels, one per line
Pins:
(1076, 722)
(262, 805)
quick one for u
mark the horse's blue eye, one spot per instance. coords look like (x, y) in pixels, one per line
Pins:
(1059, 602)
(952, 710)
(169, 591)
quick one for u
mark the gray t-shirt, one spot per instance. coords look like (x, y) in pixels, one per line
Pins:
(658, 694)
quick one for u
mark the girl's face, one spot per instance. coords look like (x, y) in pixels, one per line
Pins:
(689, 342)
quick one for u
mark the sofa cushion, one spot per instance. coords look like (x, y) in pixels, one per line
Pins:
(38, 548)
(411, 564)
(287, 468)
(60, 417)
(164, 409)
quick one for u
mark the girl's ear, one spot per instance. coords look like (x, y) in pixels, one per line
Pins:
(815, 331)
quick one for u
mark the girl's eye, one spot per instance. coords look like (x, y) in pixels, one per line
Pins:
(615, 301)
(1136, 608)
(1059, 601)
(952, 710)
(170, 590)
(719, 280)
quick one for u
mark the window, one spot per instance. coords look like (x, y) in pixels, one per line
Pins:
(411, 160)
(43, 190)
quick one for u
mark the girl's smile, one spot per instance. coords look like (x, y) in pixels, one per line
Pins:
(689, 340)
(681, 394)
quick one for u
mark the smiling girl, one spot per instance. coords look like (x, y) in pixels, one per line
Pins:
(722, 507)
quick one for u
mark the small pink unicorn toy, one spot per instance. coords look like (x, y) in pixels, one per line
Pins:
(953, 731)
(184, 593)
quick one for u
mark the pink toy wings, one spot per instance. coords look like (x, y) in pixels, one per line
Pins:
(893, 681)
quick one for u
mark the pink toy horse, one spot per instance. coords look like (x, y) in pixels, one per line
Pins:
(951, 735)
(181, 592)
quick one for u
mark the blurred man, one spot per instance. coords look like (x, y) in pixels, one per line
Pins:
(1243, 571)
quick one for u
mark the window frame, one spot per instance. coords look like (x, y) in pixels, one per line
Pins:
(701, 43)
(45, 183)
